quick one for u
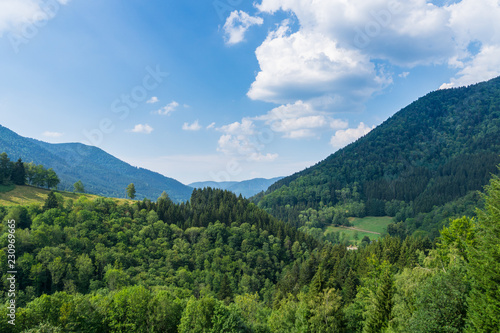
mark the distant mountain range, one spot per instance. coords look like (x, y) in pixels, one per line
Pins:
(100, 172)
(246, 188)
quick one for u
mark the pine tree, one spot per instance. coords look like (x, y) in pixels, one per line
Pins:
(225, 291)
(380, 313)
(19, 173)
(51, 201)
(484, 299)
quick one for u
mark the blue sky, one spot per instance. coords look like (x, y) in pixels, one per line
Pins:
(231, 89)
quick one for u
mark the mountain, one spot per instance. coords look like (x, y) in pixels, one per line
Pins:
(100, 172)
(434, 151)
(246, 188)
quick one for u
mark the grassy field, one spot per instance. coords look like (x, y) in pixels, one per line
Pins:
(371, 226)
(25, 195)
(372, 223)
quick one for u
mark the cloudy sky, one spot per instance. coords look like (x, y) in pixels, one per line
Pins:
(231, 89)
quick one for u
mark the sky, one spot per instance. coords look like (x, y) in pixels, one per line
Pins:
(228, 90)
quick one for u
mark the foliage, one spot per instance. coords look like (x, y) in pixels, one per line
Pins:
(78, 187)
(436, 150)
(484, 255)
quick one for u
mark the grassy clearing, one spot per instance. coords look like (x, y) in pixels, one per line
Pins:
(372, 223)
(26, 195)
(370, 226)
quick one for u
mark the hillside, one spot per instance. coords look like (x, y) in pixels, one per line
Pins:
(26, 195)
(246, 188)
(100, 172)
(434, 151)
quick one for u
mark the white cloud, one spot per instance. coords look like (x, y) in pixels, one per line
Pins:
(17, 14)
(344, 137)
(299, 120)
(404, 75)
(169, 108)
(237, 25)
(212, 125)
(484, 66)
(153, 100)
(308, 65)
(242, 140)
(52, 134)
(332, 60)
(145, 129)
(191, 127)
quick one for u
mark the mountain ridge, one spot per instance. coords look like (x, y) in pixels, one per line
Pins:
(246, 188)
(101, 172)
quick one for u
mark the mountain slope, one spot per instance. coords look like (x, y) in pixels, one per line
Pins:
(100, 172)
(435, 150)
(246, 188)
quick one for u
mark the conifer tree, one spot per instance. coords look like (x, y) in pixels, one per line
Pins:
(51, 201)
(484, 300)
(18, 173)
(225, 291)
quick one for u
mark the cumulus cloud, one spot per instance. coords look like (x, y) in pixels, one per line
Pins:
(332, 60)
(153, 100)
(167, 109)
(299, 120)
(145, 129)
(237, 25)
(308, 65)
(49, 134)
(191, 127)
(15, 15)
(242, 140)
(344, 137)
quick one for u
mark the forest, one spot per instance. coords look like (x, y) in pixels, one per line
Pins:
(437, 151)
(218, 263)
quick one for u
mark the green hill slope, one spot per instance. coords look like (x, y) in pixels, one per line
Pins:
(436, 150)
(100, 172)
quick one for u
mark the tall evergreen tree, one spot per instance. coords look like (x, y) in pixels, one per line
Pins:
(484, 300)
(225, 291)
(51, 201)
(19, 173)
(5, 169)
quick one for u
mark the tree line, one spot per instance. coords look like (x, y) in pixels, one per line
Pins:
(20, 173)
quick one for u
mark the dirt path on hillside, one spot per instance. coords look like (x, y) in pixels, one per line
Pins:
(362, 230)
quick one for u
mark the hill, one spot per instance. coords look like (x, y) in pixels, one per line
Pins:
(434, 151)
(246, 188)
(100, 172)
(26, 195)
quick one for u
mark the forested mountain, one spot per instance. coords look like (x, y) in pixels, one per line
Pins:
(246, 188)
(435, 151)
(100, 172)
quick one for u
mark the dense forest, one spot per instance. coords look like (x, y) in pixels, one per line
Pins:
(435, 151)
(218, 263)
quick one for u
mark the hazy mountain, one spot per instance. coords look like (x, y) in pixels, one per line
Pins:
(100, 172)
(246, 188)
